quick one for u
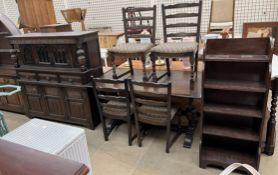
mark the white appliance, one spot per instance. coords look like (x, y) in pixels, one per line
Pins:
(62, 140)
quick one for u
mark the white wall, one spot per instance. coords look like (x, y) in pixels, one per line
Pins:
(108, 12)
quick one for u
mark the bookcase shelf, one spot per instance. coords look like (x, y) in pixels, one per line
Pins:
(235, 96)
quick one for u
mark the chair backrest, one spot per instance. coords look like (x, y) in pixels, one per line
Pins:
(151, 95)
(106, 90)
(138, 19)
(221, 14)
(75, 15)
(187, 17)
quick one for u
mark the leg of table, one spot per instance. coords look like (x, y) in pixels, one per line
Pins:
(192, 123)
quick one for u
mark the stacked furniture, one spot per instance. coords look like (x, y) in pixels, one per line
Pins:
(7, 74)
(236, 85)
(54, 70)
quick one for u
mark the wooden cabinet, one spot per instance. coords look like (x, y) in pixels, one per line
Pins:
(54, 70)
(236, 86)
(7, 71)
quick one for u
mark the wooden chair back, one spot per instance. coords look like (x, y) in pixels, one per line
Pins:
(190, 17)
(221, 14)
(135, 24)
(106, 90)
(75, 15)
(151, 95)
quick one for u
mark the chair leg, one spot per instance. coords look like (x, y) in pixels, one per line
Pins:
(143, 59)
(105, 133)
(114, 75)
(129, 132)
(139, 142)
(168, 130)
(130, 66)
(192, 66)
(168, 66)
(153, 59)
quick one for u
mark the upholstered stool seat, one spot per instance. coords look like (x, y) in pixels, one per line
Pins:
(131, 48)
(181, 47)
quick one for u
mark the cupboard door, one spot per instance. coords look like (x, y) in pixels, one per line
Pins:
(54, 99)
(78, 105)
(35, 103)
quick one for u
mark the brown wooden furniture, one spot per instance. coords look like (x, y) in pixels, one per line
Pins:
(7, 72)
(255, 26)
(135, 50)
(56, 28)
(108, 39)
(75, 15)
(222, 15)
(54, 70)
(183, 92)
(113, 103)
(184, 49)
(153, 108)
(36, 13)
(236, 87)
(271, 124)
(18, 159)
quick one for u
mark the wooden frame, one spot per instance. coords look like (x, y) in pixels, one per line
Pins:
(148, 105)
(192, 54)
(259, 25)
(143, 54)
(105, 92)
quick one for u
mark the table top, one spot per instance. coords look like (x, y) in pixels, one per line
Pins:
(180, 78)
(17, 159)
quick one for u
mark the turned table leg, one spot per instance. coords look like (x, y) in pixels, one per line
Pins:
(192, 117)
(271, 125)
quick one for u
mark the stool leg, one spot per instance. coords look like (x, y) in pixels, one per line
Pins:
(153, 58)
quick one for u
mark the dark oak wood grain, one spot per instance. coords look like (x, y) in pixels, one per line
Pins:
(18, 159)
(236, 86)
(54, 70)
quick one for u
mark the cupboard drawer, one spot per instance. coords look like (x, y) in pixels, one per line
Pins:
(27, 76)
(48, 78)
(70, 79)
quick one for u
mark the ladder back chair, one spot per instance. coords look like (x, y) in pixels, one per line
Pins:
(113, 101)
(191, 12)
(132, 27)
(152, 105)
(222, 17)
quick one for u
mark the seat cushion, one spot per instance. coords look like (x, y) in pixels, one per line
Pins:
(117, 109)
(131, 48)
(155, 115)
(180, 47)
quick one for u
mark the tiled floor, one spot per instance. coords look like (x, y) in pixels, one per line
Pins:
(117, 158)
